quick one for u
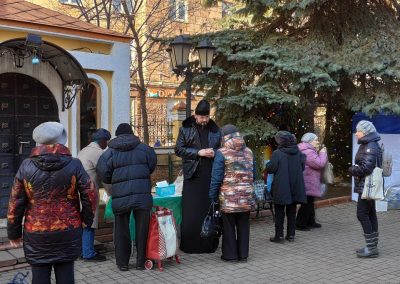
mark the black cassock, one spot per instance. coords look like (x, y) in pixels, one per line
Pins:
(195, 204)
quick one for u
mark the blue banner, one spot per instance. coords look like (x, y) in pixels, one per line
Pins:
(385, 124)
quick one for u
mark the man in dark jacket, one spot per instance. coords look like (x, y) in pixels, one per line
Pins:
(367, 158)
(198, 138)
(48, 190)
(287, 164)
(127, 165)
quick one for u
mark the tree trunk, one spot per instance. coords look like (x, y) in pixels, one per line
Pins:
(310, 111)
(142, 89)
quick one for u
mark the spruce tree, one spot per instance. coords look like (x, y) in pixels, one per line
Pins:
(277, 60)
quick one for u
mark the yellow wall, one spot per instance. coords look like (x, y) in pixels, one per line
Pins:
(68, 44)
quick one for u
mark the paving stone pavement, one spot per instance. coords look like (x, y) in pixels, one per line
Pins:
(325, 255)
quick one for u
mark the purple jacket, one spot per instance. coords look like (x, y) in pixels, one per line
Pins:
(315, 162)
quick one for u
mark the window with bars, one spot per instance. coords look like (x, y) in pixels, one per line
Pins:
(178, 10)
(72, 2)
(118, 6)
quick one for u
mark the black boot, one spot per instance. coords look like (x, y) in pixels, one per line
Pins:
(375, 237)
(371, 250)
(277, 239)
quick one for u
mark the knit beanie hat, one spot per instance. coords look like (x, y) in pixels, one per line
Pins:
(309, 137)
(365, 127)
(101, 134)
(49, 133)
(229, 129)
(202, 108)
(123, 128)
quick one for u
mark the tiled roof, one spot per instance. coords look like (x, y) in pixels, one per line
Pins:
(26, 12)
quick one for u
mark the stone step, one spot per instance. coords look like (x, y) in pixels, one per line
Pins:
(7, 259)
(18, 253)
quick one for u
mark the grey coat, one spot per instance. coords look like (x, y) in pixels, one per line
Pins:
(89, 156)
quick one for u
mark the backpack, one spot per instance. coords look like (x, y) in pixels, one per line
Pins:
(387, 162)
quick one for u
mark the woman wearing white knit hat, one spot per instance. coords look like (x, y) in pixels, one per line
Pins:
(315, 162)
(367, 158)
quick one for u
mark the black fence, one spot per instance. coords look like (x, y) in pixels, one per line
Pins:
(160, 129)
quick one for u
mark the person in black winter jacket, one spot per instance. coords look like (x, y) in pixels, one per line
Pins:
(287, 164)
(49, 188)
(127, 165)
(368, 156)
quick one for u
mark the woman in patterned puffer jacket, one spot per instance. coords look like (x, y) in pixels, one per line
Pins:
(49, 188)
(232, 180)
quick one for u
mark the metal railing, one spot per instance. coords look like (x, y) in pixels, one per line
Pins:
(160, 129)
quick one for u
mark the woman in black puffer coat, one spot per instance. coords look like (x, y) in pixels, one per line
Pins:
(48, 190)
(367, 158)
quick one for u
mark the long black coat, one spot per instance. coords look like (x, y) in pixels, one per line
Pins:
(127, 165)
(287, 165)
(188, 144)
(48, 190)
(368, 156)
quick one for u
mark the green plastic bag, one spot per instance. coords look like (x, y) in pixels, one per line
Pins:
(108, 213)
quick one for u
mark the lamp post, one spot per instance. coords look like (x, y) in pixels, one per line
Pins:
(179, 50)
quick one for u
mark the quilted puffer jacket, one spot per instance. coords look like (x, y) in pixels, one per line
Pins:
(233, 175)
(368, 156)
(127, 165)
(48, 190)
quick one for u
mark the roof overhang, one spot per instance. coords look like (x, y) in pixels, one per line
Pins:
(72, 74)
(67, 67)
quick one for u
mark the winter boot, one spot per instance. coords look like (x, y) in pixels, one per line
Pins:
(375, 237)
(371, 249)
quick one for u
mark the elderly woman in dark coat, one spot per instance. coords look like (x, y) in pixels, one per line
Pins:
(287, 164)
(367, 158)
(48, 189)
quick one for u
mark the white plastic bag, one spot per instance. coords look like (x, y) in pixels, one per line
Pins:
(167, 228)
(381, 206)
(179, 184)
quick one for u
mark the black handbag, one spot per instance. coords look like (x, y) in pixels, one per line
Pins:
(212, 224)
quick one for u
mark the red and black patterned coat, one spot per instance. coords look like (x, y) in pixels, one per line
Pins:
(48, 189)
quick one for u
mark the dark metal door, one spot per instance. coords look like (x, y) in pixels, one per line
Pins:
(24, 104)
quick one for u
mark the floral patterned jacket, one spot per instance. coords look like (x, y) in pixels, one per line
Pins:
(48, 190)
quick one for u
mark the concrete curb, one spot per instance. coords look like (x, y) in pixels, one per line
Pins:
(332, 201)
(317, 204)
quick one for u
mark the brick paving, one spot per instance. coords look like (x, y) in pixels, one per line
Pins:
(325, 255)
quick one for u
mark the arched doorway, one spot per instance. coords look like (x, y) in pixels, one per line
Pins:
(24, 104)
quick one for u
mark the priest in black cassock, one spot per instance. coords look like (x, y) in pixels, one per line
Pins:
(198, 139)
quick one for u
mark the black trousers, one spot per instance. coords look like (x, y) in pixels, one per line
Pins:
(280, 218)
(306, 213)
(366, 214)
(41, 274)
(123, 243)
(235, 235)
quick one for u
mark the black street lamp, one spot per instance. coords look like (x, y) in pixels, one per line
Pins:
(179, 50)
